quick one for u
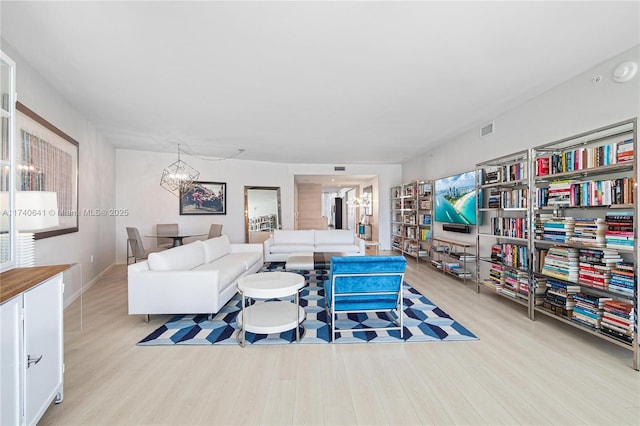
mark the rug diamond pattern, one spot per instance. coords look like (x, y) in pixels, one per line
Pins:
(423, 322)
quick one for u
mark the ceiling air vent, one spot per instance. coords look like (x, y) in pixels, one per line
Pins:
(487, 130)
(339, 168)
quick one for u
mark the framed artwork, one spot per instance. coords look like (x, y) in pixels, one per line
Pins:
(204, 198)
(46, 176)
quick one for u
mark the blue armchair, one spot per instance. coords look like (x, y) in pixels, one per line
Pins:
(365, 284)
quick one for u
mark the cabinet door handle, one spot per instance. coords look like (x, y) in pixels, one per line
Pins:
(33, 360)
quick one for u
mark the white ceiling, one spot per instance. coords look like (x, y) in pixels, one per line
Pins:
(308, 82)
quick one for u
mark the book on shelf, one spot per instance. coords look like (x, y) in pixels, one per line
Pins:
(585, 158)
(542, 166)
(492, 176)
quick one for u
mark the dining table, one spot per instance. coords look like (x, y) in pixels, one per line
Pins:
(177, 238)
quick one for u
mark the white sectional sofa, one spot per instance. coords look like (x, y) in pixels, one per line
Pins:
(195, 278)
(283, 243)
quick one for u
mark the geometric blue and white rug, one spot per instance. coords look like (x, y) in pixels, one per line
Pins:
(423, 322)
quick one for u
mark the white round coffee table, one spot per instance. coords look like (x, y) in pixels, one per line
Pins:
(270, 316)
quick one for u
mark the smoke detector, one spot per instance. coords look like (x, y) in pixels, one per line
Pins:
(624, 72)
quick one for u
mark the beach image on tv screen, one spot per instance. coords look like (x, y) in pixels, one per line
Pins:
(456, 199)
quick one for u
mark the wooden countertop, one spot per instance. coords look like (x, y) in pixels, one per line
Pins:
(18, 280)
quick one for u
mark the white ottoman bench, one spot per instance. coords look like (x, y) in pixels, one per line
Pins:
(300, 262)
(309, 261)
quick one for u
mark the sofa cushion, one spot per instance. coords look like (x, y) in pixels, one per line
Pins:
(345, 248)
(290, 248)
(179, 258)
(215, 248)
(335, 236)
(281, 236)
(229, 268)
(249, 259)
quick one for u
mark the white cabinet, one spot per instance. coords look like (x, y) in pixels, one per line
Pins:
(11, 356)
(32, 343)
(43, 347)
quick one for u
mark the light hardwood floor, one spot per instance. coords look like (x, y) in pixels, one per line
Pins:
(519, 372)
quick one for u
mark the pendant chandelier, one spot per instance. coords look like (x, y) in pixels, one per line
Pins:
(179, 177)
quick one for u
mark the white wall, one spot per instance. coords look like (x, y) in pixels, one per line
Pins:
(96, 184)
(138, 190)
(573, 107)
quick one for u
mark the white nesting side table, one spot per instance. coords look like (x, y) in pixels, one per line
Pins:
(270, 316)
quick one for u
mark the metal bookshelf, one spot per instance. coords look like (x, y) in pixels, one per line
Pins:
(586, 179)
(593, 166)
(411, 218)
(502, 234)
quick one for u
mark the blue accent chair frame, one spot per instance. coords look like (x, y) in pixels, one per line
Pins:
(365, 284)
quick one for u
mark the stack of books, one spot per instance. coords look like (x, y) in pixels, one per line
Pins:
(624, 151)
(558, 229)
(540, 220)
(494, 199)
(493, 176)
(523, 285)
(595, 267)
(590, 231)
(539, 289)
(562, 263)
(560, 295)
(619, 233)
(496, 277)
(588, 310)
(559, 193)
(516, 284)
(496, 253)
(622, 279)
(617, 320)
(462, 256)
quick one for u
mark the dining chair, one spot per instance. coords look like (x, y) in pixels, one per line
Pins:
(135, 248)
(166, 229)
(215, 230)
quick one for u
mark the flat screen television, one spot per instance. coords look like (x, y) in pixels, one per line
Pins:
(456, 199)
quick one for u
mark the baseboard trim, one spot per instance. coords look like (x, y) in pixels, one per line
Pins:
(87, 286)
